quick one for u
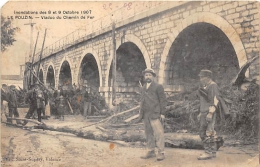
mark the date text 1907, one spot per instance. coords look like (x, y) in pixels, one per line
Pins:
(86, 12)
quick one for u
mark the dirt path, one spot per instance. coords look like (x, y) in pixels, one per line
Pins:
(45, 148)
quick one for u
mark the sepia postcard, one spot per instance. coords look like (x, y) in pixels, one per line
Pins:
(130, 83)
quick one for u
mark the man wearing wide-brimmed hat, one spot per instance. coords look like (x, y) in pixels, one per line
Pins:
(153, 103)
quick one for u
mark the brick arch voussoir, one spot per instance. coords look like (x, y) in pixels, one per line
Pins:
(137, 41)
(46, 72)
(211, 18)
(71, 70)
(43, 75)
(96, 56)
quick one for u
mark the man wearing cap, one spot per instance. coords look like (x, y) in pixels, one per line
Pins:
(12, 104)
(153, 103)
(209, 99)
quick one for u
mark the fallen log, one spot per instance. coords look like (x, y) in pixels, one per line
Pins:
(28, 120)
(14, 125)
(183, 140)
(118, 125)
(176, 140)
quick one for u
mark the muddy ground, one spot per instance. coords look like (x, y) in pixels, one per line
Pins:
(24, 148)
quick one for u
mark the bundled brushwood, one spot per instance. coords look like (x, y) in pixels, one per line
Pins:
(244, 108)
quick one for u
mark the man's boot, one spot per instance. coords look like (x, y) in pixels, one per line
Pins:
(219, 142)
(8, 120)
(207, 150)
(149, 154)
(205, 156)
(214, 155)
(160, 156)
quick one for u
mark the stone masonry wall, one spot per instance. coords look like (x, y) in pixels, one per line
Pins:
(154, 32)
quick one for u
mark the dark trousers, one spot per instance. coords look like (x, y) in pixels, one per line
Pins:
(60, 111)
(30, 112)
(13, 111)
(203, 126)
(43, 111)
(39, 112)
(53, 108)
(207, 134)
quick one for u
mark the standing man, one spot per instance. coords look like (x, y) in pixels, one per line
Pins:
(152, 108)
(209, 99)
(87, 103)
(54, 104)
(45, 96)
(39, 101)
(4, 104)
(31, 100)
(12, 104)
(61, 107)
(35, 99)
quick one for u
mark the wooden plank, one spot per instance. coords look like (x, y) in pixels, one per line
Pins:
(119, 142)
(102, 129)
(131, 118)
(96, 117)
(121, 113)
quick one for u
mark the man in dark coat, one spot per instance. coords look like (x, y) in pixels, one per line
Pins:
(39, 101)
(4, 104)
(12, 104)
(46, 100)
(35, 98)
(87, 103)
(61, 107)
(210, 103)
(54, 104)
(30, 98)
(153, 103)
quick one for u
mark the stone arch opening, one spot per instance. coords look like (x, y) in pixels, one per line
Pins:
(65, 78)
(89, 73)
(130, 64)
(50, 78)
(201, 46)
(41, 76)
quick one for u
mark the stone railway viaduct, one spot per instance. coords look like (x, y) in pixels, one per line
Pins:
(175, 39)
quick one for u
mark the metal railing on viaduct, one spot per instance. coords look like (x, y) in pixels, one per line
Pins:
(83, 34)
